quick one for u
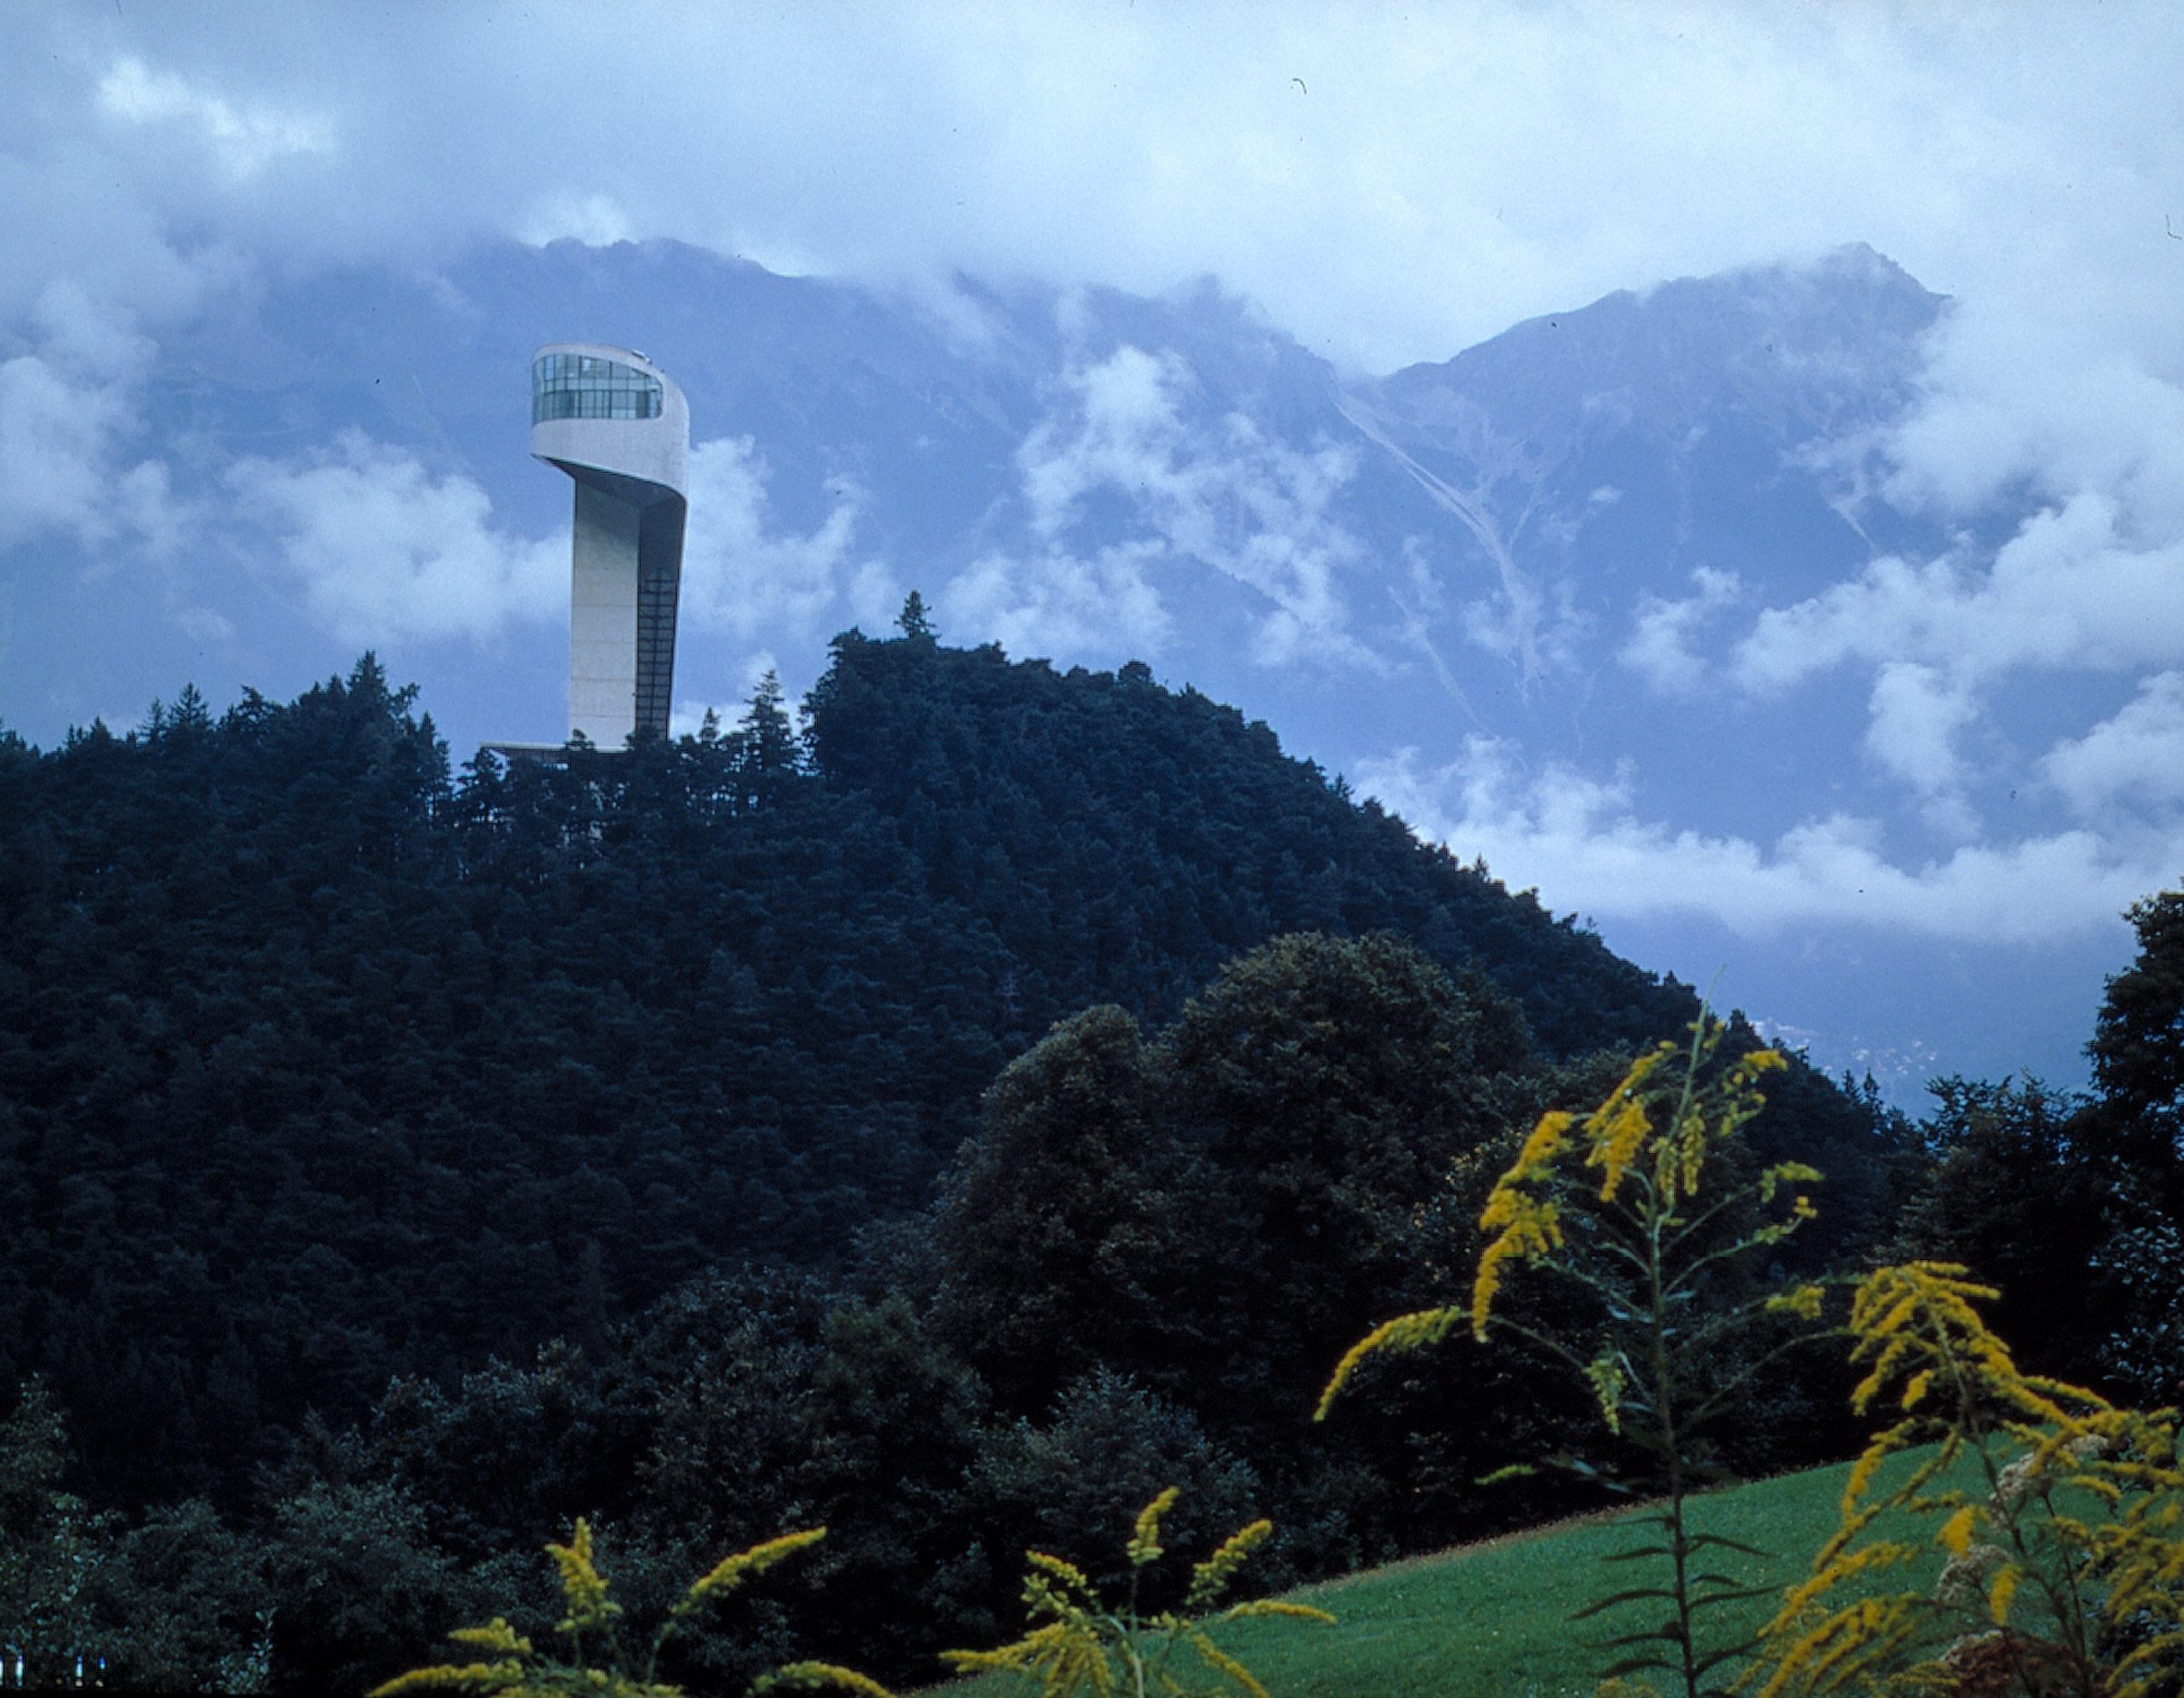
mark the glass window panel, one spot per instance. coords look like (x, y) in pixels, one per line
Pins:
(585, 386)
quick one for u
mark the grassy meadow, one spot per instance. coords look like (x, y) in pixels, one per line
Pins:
(1493, 1620)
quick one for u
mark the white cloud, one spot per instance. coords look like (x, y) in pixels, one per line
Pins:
(2139, 753)
(595, 219)
(67, 412)
(739, 574)
(875, 596)
(1918, 714)
(206, 626)
(1660, 649)
(1125, 432)
(144, 507)
(1056, 604)
(386, 551)
(246, 139)
(80, 333)
(1221, 494)
(1581, 844)
(1301, 154)
(732, 703)
(2023, 390)
(54, 439)
(2070, 589)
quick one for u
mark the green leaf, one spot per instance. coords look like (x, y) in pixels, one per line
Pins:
(1613, 1599)
(1667, 1634)
(1668, 1659)
(1733, 1594)
(1715, 1541)
(1636, 1665)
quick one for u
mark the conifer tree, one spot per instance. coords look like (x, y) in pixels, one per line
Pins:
(913, 621)
(766, 757)
(2138, 1044)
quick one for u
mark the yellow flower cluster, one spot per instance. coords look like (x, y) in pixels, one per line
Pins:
(1210, 1579)
(1735, 1099)
(1076, 1646)
(1648, 1331)
(2108, 1588)
(819, 1677)
(585, 1591)
(1405, 1332)
(1605, 1375)
(732, 1572)
(1911, 1320)
(1063, 1658)
(1528, 1229)
(1615, 1137)
(1802, 1301)
(496, 1635)
(1616, 1131)
(1525, 1215)
(502, 1677)
(1057, 1568)
(1144, 1539)
(522, 1673)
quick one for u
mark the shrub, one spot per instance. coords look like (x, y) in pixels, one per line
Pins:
(1074, 1483)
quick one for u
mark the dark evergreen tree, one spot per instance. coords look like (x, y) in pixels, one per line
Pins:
(2014, 1193)
(913, 622)
(765, 756)
(2138, 1042)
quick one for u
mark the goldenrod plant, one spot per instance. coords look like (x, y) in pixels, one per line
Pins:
(2058, 1569)
(1076, 1643)
(1624, 1205)
(599, 1664)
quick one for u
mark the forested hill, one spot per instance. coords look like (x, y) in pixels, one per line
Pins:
(1119, 842)
(318, 1063)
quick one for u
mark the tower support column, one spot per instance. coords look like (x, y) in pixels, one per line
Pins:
(614, 422)
(604, 618)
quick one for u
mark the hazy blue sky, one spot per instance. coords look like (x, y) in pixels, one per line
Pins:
(1390, 184)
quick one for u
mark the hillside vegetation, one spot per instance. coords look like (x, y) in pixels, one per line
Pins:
(952, 1119)
(1495, 1618)
(326, 1065)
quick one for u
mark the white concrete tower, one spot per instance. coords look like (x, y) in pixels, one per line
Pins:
(614, 423)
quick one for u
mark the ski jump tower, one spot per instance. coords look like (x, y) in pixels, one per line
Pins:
(614, 423)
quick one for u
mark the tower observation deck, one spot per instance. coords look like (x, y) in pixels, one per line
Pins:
(620, 427)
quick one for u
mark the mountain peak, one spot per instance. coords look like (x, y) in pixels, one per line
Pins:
(1853, 305)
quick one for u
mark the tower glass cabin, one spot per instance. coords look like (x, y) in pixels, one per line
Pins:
(620, 427)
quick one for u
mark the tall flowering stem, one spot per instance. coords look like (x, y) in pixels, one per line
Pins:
(1079, 1644)
(601, 1668)
(2061, 1562)
(1624, 1208)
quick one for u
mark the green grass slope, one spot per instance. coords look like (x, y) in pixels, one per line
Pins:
(1493, 1621)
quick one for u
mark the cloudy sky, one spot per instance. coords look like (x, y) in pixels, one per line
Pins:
(1390, 184)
